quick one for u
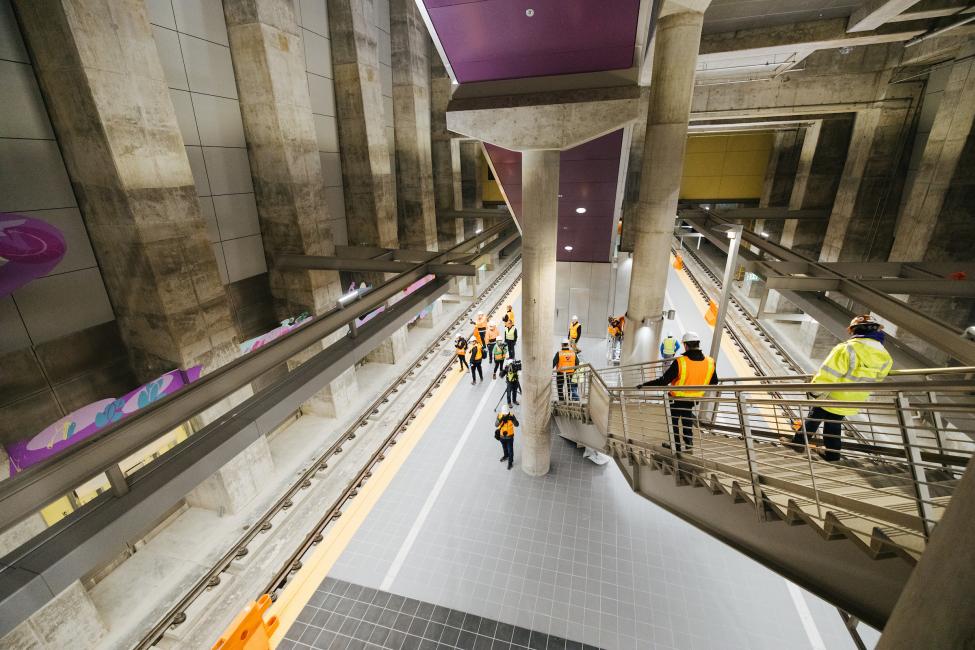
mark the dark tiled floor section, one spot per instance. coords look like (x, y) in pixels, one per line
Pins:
(343, 616)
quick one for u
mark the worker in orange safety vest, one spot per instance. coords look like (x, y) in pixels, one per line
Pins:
(692, 368)
(564, 363)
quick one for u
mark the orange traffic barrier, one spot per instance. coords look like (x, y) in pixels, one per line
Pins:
(678, 262)
(250, 631)
(711, 315)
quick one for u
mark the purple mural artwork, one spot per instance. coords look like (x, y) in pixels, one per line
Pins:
(287, 325)
(88, 420)
(29, 249)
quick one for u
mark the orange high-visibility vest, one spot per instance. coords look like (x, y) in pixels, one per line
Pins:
(482, 322)
(492, 333)
(507, 428)
(510, 315)
(692, 373)
(567, 361)
(478, 352)
(574, 330)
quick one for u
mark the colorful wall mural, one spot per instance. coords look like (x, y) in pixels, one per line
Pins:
(88, 420)
(29, 248)
(287, 325)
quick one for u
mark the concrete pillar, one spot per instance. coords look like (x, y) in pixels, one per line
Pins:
(540, 213)
(69, 620)
(416, 209)
(780, 176)
(269, 65)
(366, 173)
(936, 220)
(634, 172)
(677, 40)
(234, 485)
(449, 230)
(106, 93)
(470, 183)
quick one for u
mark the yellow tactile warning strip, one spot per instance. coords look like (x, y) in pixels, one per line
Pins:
(293, 598)
(733, 353)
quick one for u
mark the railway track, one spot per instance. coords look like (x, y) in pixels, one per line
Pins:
(177, 615)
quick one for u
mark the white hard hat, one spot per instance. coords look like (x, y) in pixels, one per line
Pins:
(691, 337)
(507, 362)
(505, 410)
(575, 318)
(565, 341)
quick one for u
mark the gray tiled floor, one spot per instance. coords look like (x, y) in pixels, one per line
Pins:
(574, 554)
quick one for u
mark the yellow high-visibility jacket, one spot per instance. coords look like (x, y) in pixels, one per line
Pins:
(859, 360)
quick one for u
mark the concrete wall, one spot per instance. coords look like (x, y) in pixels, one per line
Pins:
(312, 16)
(191, 38)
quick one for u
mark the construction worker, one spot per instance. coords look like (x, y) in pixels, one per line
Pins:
(492, 336)
(858, 360)
(513, 384)
(504, 431)
(575, 332)
(498, 353)
(476, 356)
(669, 347)
(509, 317)
(460, 347)
(510, 338)
(564, 363)
(615, 332)
(692, 368)
(480, 327)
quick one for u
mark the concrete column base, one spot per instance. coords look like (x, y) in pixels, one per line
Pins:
(390, 350)
(433, 318)
(815, 340)
(221, 407)
(12, 538)
(69, 620)
(465, 287)
(236, 483)
(340, 390)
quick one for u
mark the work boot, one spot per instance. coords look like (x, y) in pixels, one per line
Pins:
(493, 377)
(509, 464)
(503, 458)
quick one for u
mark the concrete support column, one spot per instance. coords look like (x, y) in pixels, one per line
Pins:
(269, 65)
(233, 486)
(470, 180)
(69, 620)
(416, 209)
(780, 176)
(677, 40)
(449, 230)
(634, 172)
(107, 96)
(540, 213)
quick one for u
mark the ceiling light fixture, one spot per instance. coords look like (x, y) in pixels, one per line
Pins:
(580, 210)
(764, 234)
(568, 248)
(529, 12)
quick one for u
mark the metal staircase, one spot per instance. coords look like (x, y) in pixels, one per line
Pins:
(850, 531)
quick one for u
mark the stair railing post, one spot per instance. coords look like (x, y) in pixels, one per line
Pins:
(750, 454)
(919, 479)
(117, 480)
(939, 424)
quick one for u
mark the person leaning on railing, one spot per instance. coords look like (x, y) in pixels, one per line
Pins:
(861, 359)
(693, 368)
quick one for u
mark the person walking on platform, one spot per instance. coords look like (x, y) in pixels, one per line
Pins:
(480, 327)
(512, 382)
(859, 360)
(575, 332)
(510, 338)
(460, 347)
(477, 355)
(692, 368)
(669, 347)
(509, 317)
(615, 332)
(492, 337)
(498, 354)
(504, 431)
(564, 363)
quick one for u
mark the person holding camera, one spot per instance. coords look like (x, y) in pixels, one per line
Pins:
(460, 347)
(513, 383)
(859, 360)
(504, 432)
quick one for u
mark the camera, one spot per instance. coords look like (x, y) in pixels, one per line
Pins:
(516, 365)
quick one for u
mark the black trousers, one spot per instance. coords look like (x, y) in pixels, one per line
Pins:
(682, 420)
(511, 349)
(476, 370)
(832, 428)
(560, 380)
(497, 366)
(508, 447)
(461, 361)
(511, 392)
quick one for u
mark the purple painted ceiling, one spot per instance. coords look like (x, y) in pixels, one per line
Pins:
(587, 179)
(495, 39)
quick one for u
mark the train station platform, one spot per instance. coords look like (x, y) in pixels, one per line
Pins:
(449, 549)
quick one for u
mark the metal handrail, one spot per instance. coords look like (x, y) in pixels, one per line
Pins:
(27, 491)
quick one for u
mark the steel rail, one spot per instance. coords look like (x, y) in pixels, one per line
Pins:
(24, 493)
(176, 614)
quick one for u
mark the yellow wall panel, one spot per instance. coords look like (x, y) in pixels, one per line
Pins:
(490, 190)
(725, 166)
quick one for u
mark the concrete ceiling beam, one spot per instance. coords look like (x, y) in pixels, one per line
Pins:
(931, 9)
(874, 13)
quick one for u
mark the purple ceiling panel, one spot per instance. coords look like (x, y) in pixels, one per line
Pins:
(587, 179)
(496, 39)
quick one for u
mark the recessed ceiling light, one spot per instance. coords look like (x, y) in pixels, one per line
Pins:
(580, 210)
(529, 12)
(568, 248)
(764, 234)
